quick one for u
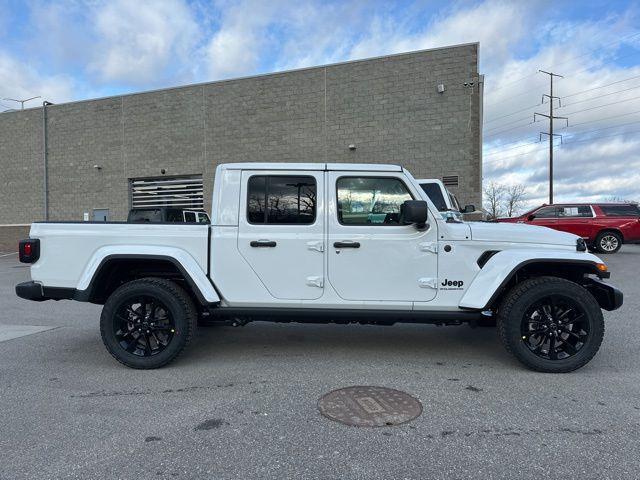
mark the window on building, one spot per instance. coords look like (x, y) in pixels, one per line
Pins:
(183, 192)
(450, 180)
(281, 199)
(370, 201)
(546, 212)
(621, 210)
(577, 211)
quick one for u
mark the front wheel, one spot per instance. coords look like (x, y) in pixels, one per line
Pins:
(551, 324)
(146, 323)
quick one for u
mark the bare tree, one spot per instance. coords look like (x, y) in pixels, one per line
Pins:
(493, 197)
(617, 199)
(514, 198)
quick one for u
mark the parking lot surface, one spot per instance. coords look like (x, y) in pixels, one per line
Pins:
(242, 402)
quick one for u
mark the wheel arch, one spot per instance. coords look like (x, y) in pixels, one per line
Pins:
(502, 272)
(116, 269)
(609, 229)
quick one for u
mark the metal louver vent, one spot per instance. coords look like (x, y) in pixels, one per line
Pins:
(450, 180)
(181, 192)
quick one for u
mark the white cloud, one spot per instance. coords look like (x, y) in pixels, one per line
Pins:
(143, 42)
(20, 80)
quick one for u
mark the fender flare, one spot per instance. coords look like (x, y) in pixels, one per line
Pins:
(194, 275)
(501, 267)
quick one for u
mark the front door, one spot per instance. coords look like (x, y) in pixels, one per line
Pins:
(371, 256)
(281, 231)
(545, 217)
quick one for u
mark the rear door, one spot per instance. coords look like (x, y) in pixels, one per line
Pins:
(370, 255)
(281, 231)
(576, 219)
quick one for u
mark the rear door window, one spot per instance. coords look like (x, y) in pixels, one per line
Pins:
(281, 199)
(575, 211)
(620, 210)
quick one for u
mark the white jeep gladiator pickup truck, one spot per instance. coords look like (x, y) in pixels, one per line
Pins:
(324, 242)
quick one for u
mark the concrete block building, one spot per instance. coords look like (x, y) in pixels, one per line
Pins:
(95, 159)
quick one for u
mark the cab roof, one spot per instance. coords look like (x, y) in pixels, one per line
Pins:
(343, 167)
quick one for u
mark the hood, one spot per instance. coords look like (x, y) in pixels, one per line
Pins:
(520, 233)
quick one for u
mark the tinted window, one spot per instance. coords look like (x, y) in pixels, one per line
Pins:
(150, 215)
(621, 210)
(203, 218)
(280, 199)
(435, 195)
(174, 215)
(546, 212)
(577, 211)
(370, 201)
(190, 217)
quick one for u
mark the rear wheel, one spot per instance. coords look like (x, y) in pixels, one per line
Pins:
(551, 324)
(608, 242)
(147, 323)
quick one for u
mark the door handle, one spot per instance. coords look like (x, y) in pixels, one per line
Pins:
(346, 244)
(263, 243)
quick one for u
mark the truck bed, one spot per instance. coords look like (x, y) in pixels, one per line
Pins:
(71, 251)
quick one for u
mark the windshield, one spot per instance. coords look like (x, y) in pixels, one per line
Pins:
(454, 201)
(435, 195)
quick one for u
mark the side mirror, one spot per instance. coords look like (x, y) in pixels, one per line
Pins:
(414, 212)
(469, 209)
(531, 217)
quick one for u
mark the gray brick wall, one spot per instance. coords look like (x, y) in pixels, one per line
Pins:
(388, 107)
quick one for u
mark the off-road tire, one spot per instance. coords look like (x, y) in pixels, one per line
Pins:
(512, 310)
(180, 305)
(601, 241)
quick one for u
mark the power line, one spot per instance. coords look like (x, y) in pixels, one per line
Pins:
(584, 132)
(507, 149)
(498, 127)
(603, 136)
(604, 105)
(600, 86)
(617, 41)
(595, 66)
(602, 119)
(512, 113)
(512, 128)
(557, 146)
(493, 90)
(600, 96)
(543, 147)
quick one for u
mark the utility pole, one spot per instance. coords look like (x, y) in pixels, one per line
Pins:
(550, 133)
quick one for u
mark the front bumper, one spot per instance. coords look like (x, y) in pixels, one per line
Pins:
(608, 296)
(38, 293)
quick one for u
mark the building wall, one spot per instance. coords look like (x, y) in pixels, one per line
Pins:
(388, 107)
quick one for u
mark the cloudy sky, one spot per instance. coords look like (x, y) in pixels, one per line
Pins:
(70, 50)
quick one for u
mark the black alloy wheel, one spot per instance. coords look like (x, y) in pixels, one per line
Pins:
(555, 328)
(147, 323)
(550, 324)
(144, 326)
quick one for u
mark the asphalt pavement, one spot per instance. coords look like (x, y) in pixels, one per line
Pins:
(241, 403)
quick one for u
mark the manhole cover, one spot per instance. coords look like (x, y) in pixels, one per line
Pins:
(369, 406)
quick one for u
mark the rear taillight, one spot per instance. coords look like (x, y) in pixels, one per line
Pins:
(29, 250)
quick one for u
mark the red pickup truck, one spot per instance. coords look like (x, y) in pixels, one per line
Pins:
(604, 226)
